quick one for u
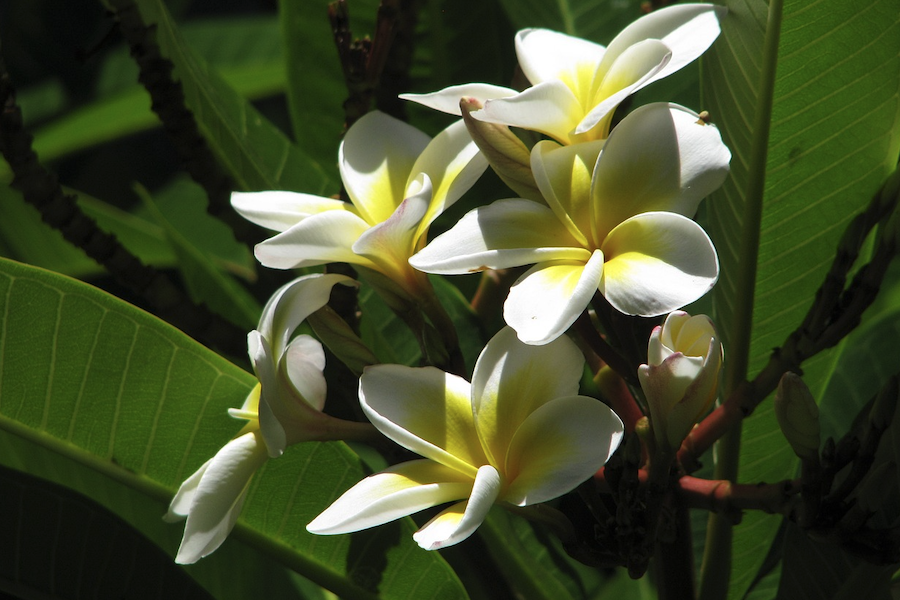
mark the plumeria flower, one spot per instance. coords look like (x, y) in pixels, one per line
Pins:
(518, 434)
(398, 181)
(577, 84)
(617, 220)
(283, 409)
(684, 357)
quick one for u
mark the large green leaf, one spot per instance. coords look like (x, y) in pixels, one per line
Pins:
(596, 20)
(89, 377)
(834, 137)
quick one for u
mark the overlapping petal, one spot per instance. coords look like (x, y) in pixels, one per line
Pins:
(546, 55)
(507, 233)
(447, 99)
(280, 211)
(214, 496)
(319, 239)
(550, 108)
(559, 445)
(396, 492)
(424, 410)
(550, 296)
(657, 262)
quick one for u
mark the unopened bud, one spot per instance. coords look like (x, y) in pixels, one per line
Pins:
(798, 416)
(505, 152)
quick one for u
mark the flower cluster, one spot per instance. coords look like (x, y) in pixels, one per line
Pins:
(604, 209)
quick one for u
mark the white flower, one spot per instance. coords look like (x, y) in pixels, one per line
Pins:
(577, 84)
(284, 408)
(684, 356)
(617, 220)
(518, 434)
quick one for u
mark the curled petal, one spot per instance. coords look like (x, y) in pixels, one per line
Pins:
(452, 163)
(217, 497)
(507, 233)
(661, 157)
(558, 446)
(687, 29)
(513, 379)
(657, 262)
(319, 239)
(424, 410)
(394, 493)
(627, 74)
(292, 303)
(545, 55)
(563, 174)
(447, 99)
(461, 520)
(302, 365)
(390, 244)
(549, 297)
(282, 210)
(375, 158)
(548, 107)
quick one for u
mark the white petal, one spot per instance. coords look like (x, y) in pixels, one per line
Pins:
(461, 520)
(548, 107)
(657, 262)
(424, 410)
(447, 99)
(303, 363)
(394, 493)
(390, 243)
(375, 159)
(219, 497)
(282, 210)
(512, 379)
(292, 303)
(661, 157)
(687, 29)
(452, 163)
(631, 71)
(319, 239)
(507, 233)
(558, 446)
(545, 55)
(271, 395)
(180, 506)
(549, 297)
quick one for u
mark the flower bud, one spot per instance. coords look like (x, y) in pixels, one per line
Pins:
(505, 152)
(798, 416)
(680, 381)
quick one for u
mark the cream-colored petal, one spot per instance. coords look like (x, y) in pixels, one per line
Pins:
(550, 108)
(657, 262)
(447, 99)
(424, 410)
(302, 364)
(550, 296)
(631, 71)
(219, 496)
(376, 158)
(513, 379)
(661, 157)
(180, 506)
(272, 393)
(507, 233)
(292, 303)
(390, 244)
(452, 163)
(394, 493)
(458, 522)
(687, 29)
(546, 55)
(563, 174)
(558, 446)
(319, 239)
(282, 210)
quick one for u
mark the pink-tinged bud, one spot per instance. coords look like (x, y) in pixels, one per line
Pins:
(798, 416)
(681, 379)
(506, 153)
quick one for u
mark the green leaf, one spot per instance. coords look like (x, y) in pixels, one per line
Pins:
(206, 283)
(255, 153)
(45, 530)
(595, 20)
(89, 377)
(834, 137)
